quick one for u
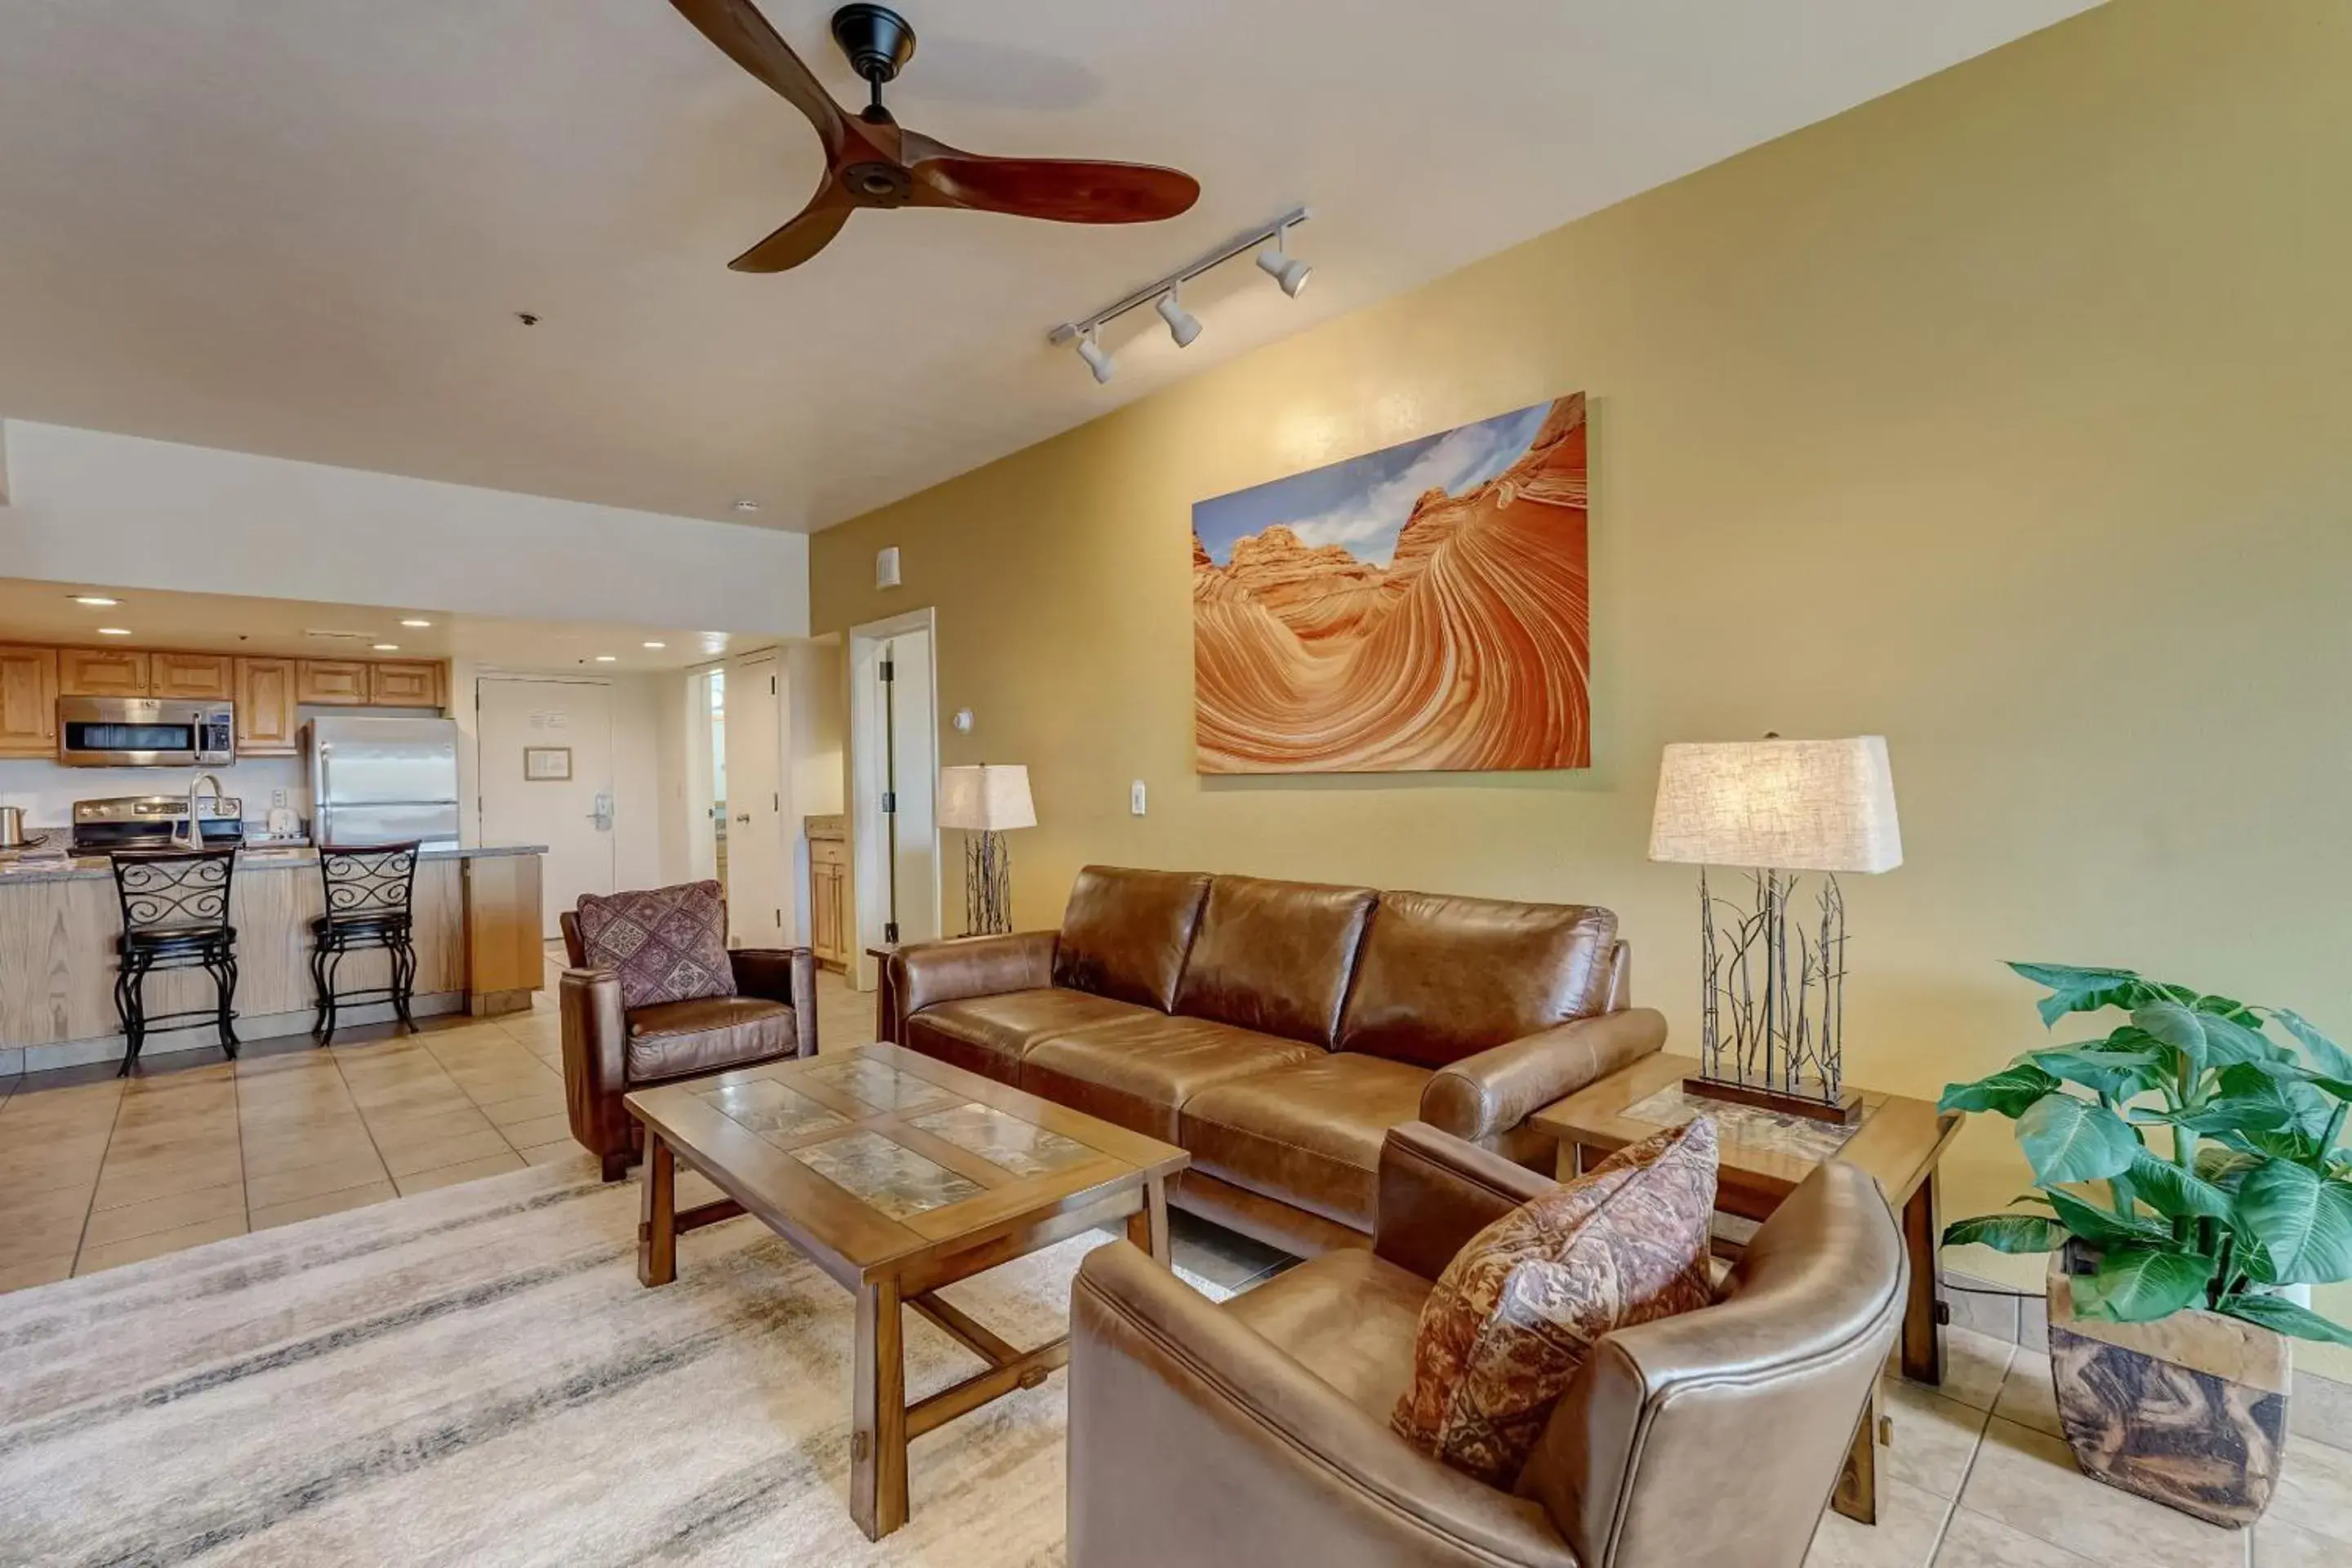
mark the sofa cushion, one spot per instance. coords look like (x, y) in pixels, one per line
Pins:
(1348, 1317)
(666, 944)
(1125, 933)
(1519, 1307)
(989, 1035)
(677, 1040)
(1140, 1071)
(1275, 956)
(1441, 978)
(1308, 1134)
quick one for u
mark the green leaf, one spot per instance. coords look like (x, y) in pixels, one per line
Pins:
(2103, 1228)
(2071, 1140)
(2260, 1099)
(2207, 1039)
(2007, 1233)
(2304, 1221)
(2119, 1073)
(2135, 1284)
(2175, 1192)
(2331, 1058)
(2277, 1312)
(2225, 1168)
(2009, 1092)
(2295, 1146)
(2076, 990)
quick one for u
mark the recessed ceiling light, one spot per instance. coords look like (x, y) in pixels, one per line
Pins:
(747, 506)
(94, 600)
(608, 658)
(386, 647)
(414, 622)
(114, 631)
(657, 645)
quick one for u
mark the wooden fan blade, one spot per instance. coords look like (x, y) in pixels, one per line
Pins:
(738, 28)
(803, 238)
(1065, 190)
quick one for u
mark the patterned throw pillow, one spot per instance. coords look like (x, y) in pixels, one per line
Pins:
(667, 945)
(1519, 1310)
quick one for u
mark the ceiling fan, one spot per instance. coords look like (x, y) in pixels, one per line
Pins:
(871, 161)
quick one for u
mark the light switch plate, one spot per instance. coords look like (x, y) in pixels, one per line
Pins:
(1135, 797)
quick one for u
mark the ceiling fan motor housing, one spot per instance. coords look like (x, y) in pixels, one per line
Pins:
(876, 39)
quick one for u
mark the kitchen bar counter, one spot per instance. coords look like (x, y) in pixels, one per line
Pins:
(475, 925)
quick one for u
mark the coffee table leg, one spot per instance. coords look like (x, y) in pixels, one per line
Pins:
(877, 1439)
(657, 1216)
(1923, 1335)
(1147, 1227)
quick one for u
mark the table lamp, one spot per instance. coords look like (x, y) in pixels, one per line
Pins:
(1772, 997)
(985, 801)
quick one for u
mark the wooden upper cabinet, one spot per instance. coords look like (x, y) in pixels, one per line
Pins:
(265, 707)
(189, 675)
(102, 672)
(331, 681)
(28, 701)
(405, 683)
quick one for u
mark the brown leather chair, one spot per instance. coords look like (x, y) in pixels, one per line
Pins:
(609, 1051)
(1257, 1431)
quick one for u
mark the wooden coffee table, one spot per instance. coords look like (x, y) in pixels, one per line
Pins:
(898, 1174)
(1761, 1158)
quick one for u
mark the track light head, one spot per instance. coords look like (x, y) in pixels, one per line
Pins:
(1090, 350)
(1284, 268)
(1183, 325)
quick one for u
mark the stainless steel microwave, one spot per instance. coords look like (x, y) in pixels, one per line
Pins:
(146, 732)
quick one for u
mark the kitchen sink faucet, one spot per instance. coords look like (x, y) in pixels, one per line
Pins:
(192, 827)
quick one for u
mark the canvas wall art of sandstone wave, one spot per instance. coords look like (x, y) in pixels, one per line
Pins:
(1422, 608)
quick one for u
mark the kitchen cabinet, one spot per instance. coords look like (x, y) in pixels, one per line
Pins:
(188, 675)
(102, 672)
(829, 902)
(331, 681)
(265, 707)
(28, 703)
(405, 683)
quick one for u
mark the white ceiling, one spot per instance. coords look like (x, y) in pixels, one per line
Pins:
(302, 227)
(35, 612)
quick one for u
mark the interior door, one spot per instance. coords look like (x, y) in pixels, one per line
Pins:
(758, 857)
(914, 771)
(532, 735)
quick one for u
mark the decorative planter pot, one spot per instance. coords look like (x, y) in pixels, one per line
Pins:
(2190, 1410)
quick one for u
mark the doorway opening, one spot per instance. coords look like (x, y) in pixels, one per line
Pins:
(894, 769)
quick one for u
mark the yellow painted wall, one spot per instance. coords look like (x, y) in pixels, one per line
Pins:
(2009, 415)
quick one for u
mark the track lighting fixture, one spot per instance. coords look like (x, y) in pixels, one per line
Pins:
(1165, 295)
(1183, 325)
(1284, 267)
(1090, 350)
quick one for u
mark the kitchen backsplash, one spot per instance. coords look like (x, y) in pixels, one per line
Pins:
(48, 791)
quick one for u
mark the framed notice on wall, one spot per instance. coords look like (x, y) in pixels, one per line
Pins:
(547, 764)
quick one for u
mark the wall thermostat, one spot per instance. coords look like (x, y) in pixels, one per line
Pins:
(886, 567)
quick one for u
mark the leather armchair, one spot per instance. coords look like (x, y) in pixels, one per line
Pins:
(609, 1051)
(1257, 1430)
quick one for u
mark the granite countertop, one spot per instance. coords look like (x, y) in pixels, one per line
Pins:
(17, 866)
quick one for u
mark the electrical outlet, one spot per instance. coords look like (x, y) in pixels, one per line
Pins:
(278, 797)
(1135, 797)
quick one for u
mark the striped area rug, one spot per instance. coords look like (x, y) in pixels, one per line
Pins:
(475, 1377)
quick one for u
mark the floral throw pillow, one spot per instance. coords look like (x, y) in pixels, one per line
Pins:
(667, 945)
(1519, 1310)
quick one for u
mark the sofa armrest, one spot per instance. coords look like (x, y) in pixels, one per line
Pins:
(786, 974)
(1194, 1440)
(1483, 1096)
(596, 1047)
(1436, 1192)
(929, 972)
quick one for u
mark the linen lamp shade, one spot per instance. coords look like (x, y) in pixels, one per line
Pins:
(1786, 805)
(986, 799)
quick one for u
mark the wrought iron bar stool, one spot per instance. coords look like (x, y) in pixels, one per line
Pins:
(175, 907)
(370, 891)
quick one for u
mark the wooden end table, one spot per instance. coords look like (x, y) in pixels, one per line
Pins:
(898, 1174)
(1763, 1155)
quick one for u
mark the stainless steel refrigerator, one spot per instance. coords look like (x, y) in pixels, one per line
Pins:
(379, 781)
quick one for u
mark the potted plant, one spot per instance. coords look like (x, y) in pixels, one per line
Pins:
(2176, 1266)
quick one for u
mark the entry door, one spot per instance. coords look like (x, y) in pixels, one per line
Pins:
(757, 861)
(914, 771)
(560, 727)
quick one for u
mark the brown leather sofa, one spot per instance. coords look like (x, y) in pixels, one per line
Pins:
(1278, 1030)
(1257, 1431)
(608, 1051)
